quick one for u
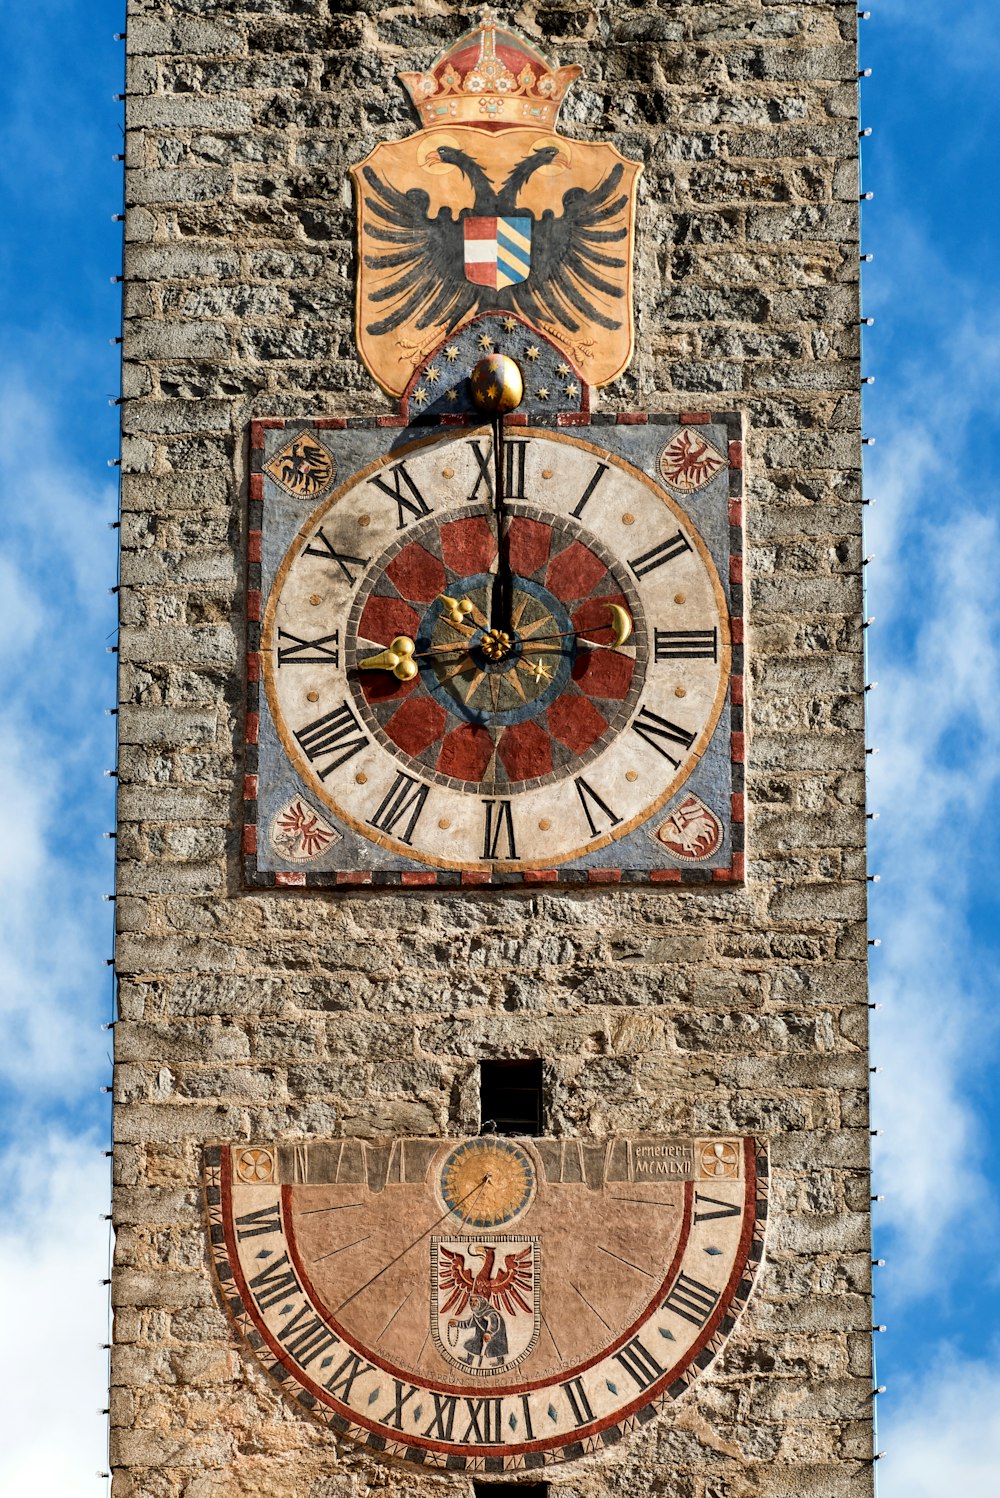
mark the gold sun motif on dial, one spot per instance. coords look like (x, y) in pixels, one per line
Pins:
(487, 1183)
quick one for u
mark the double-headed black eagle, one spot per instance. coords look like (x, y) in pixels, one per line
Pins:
(427, 256)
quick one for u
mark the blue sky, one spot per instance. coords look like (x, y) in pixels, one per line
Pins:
(934, 592)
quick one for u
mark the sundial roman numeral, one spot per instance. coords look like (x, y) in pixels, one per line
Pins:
(275, 1282)
(263, 1220)
(484, 1422)
(726, 1209)
(311, 1336)
(395, 1418)
(691, 1299)
(578, 1401)
(442, 1421)
(342, 1379)
(640, 1363)
(409, 500)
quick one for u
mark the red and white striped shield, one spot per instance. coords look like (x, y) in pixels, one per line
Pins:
(497, 251)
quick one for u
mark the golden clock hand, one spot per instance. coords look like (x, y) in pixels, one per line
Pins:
(398, 659)
(422, 655)
(542, 642)
(497, 386)
(401, 656)
(455, 609)
(621, 623)
(501, 600)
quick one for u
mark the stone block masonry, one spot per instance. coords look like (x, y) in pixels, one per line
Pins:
(283, 1015)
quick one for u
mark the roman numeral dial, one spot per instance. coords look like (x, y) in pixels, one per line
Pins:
(599, 1282)
(433, 732)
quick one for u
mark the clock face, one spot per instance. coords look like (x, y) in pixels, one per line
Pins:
(487, 1304)
(449, 688)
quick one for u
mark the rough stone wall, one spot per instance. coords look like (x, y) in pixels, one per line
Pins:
(255, 1016)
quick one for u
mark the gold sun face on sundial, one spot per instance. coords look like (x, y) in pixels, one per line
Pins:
(487, 1183)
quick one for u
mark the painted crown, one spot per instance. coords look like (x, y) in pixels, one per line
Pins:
(490, 76)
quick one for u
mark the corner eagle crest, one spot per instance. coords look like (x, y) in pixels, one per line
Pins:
(487, 209)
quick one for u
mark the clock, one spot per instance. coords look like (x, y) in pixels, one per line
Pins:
(487, 1304)
(496, 652)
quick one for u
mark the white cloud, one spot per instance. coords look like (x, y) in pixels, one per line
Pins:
(54, 511)
(935, 593)
(942, 1436)
(53, 1255)
(57, 562)
(54, 742)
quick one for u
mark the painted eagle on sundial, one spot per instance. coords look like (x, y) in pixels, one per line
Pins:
(497, 254)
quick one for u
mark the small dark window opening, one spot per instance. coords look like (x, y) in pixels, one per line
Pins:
(510, 1490)
(510, 1102)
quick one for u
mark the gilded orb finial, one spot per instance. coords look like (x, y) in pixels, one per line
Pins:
(496, 384)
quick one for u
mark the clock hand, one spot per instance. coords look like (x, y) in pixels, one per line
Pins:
(621, 623)
(398, 659)
(401, 656)
(455, 609)
(501, 602)
(401, 653)
(497, 385)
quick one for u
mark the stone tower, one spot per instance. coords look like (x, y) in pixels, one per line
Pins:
(491, 1065)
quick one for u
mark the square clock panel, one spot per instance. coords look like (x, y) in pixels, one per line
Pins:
(488, 654)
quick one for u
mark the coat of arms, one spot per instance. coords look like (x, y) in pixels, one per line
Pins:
(487, 209)
(484, 1301)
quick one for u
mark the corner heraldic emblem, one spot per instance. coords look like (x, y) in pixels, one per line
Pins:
(486, 208)
(490, 1304)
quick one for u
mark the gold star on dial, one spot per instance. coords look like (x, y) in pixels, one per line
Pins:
(420, 397)
(539, 671)
(432, 374)
(509, 324)
(452, 396)
(533, 352)
(451, 354)
(572, 391)
(542, 392)
(485, 341)
(563, 368)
